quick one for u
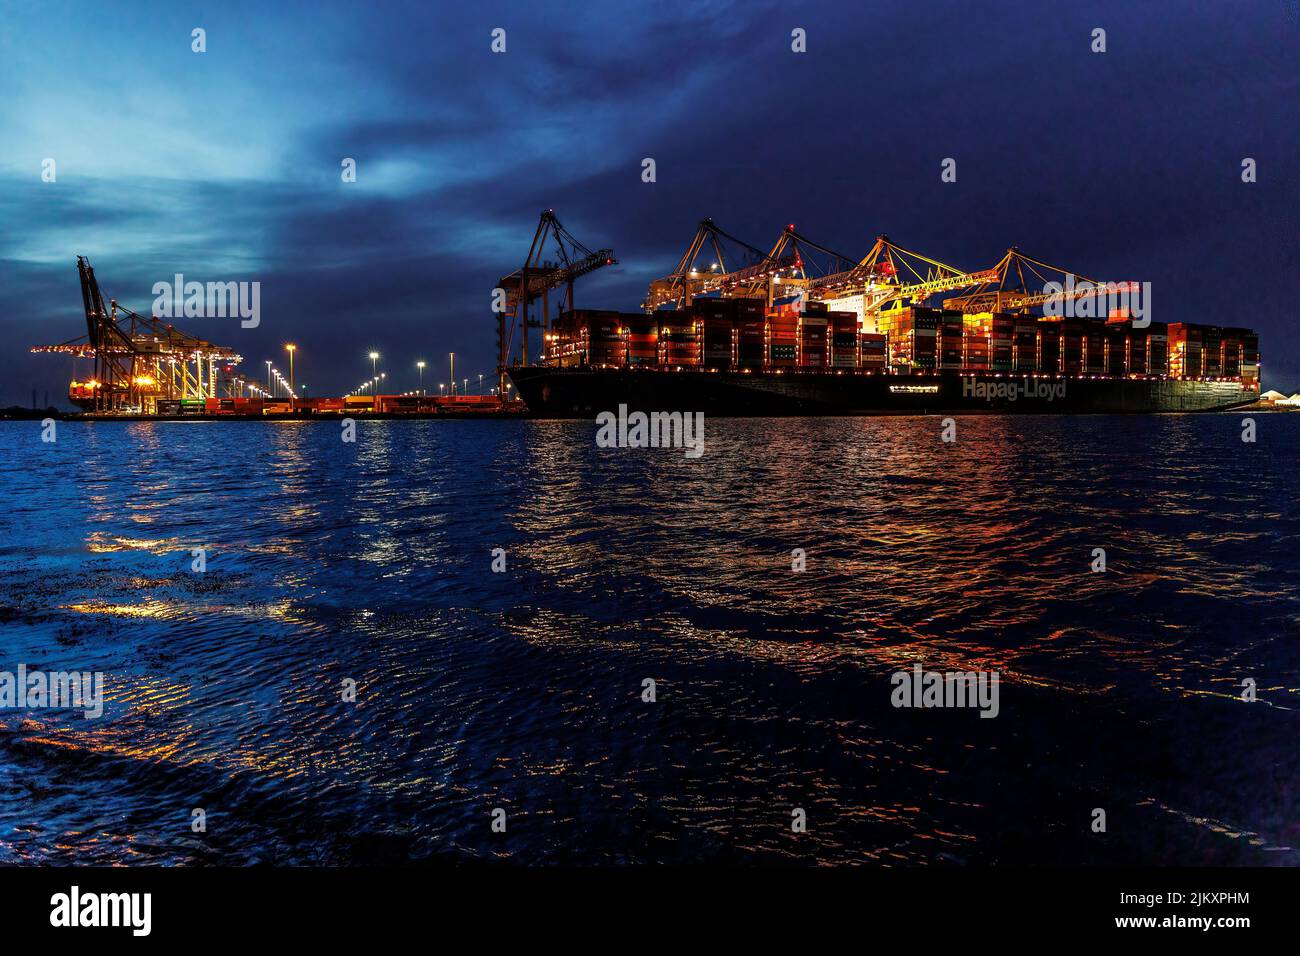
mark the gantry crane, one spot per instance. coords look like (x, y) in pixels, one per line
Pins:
(689, 280)
(889, 273)
(1018, 296)
(137, 359)
(535, 279)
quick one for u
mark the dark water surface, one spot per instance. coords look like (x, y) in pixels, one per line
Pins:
(522, 690)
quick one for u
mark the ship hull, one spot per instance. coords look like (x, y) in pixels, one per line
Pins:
(584, 392)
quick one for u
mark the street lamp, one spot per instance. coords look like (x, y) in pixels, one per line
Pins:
(420, 366)
(441, 386)
(480, 383)
(374, 363)
(453, 372)
(290, 348)
(268, 375)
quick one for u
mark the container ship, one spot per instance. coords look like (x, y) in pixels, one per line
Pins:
(771, 340)
(737, 357)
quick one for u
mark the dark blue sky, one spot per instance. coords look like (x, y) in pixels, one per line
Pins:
(225, 165)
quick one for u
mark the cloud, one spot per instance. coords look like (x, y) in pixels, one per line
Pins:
(226, 165)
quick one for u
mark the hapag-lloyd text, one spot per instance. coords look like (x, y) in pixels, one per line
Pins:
(1012, 390)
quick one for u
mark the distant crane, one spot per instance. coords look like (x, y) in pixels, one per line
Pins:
(535, 279)
(137, 359)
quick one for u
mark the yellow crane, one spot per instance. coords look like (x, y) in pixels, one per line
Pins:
(1009, 289)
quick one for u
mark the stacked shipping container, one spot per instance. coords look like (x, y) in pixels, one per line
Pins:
(1024, 344)
(813, 337)
(976, 330)
(750, 333)
(679, 340)
(1049, 346)
(744, 333)
(1186, 344)
(642, 338)
(1002, 329)
(912, 338)
(844, 339)
(950, 339)
(873, 350)
(783, 337)
(716, 319)
(1115, 336)
(605, 345)
(1158, 348)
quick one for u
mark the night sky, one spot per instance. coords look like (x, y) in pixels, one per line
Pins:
(226, 165)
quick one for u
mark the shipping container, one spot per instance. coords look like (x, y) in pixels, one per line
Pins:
(724, 309)
(750, 310)
(783, 354)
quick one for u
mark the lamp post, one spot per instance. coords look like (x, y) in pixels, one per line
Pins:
(441, 386)
(291, 348)
(453, 372)
(268, 375)
(374, 363)
(420, 366)
(480, 383)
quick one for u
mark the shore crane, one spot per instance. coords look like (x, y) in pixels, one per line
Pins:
(137, 359)
(688, 280)
(535, 279)
(1013, 292)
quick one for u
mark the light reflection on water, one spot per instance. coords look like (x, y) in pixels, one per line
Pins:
(371, 562)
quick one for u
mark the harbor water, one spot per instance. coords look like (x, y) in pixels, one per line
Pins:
(501, 594)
